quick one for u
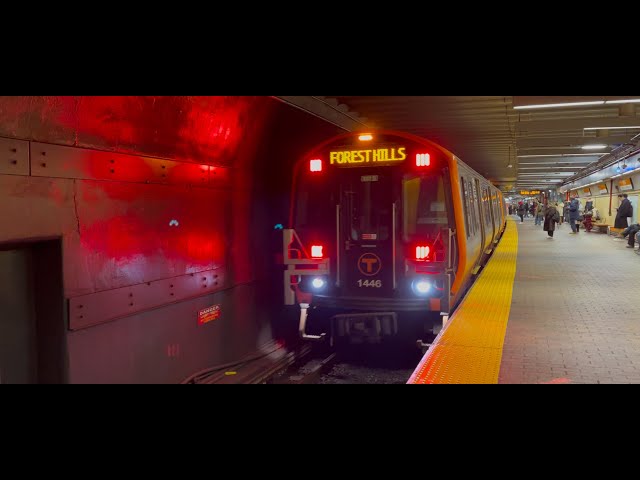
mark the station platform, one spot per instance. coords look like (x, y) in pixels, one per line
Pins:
(561, 310)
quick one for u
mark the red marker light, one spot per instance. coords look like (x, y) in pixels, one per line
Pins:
(316, 251)
(315, 165)
(423, 159)
(422, 252)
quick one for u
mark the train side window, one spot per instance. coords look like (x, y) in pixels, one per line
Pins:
(467, 187)
(465, 204)
(475, 209)
(486, 200)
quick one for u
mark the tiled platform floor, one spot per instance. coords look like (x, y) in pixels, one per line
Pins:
(575, 313)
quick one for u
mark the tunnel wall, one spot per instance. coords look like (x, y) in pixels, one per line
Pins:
(160, 205)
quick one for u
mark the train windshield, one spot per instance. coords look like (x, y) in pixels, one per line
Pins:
(368, 203)
(425, 206)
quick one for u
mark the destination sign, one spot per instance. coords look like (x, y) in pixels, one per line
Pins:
(378, 155)
(529, 192)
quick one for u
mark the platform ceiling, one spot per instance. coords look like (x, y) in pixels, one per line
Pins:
(505, 138)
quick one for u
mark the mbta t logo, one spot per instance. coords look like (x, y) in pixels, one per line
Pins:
(369, 264)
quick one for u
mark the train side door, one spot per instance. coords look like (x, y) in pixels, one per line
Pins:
(478, 199)
(367, 232)
(491, 212)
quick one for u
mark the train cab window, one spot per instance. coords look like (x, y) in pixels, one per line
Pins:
(424, 206)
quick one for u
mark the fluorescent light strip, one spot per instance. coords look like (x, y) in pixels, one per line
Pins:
(612, 128)
(573, 164)
(554, 105)
(631, 100)
(575, 167)
(544, 173)
(561, 155)
(593, 147)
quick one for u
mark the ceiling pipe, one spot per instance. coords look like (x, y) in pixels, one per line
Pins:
(618, 154)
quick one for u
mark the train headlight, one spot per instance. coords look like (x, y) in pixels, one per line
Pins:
(318, 283)
(421, 287)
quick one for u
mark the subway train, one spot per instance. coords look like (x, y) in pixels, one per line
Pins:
(387, 231)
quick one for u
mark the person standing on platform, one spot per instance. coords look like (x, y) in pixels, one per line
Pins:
(624, 210)
(521, 212)
(539, 212)
(551, 217)
(574, 214)
(560, 208)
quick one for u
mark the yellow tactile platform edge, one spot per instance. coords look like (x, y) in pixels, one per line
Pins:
(469, 349)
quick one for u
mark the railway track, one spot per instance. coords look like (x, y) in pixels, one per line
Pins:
(351, 366)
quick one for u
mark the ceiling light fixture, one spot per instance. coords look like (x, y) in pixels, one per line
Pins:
(572, 164)
(555, 105)
(630, 100)
(593, 147)
(612, 128)
(560, 155)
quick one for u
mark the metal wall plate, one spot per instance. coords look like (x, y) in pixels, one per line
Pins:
(96, 308)
(70, 162)
(14, 157)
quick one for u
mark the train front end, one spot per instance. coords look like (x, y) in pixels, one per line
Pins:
(370, 249)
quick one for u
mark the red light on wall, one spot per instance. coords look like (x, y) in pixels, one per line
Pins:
(422, 252)
(423, 159)
(315, 165)
(316, 251)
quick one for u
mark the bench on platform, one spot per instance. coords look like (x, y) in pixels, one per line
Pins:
(601, 227)
(612, 230)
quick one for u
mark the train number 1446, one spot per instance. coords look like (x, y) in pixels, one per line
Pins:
(370, 283)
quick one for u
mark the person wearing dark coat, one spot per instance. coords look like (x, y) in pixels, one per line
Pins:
(574, 214)
(521, 212)
(551, 217)
(624, 210)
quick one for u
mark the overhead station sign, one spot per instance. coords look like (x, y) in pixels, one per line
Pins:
(529, 192)
(354, 158)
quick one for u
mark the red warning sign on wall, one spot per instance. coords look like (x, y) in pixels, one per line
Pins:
(208, 314)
